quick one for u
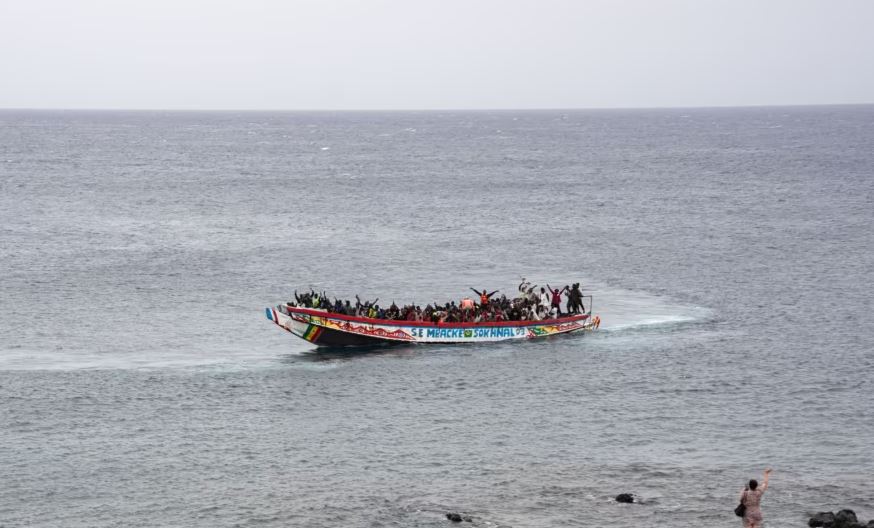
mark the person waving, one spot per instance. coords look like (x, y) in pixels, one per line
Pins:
(751, 498)
(484, 297)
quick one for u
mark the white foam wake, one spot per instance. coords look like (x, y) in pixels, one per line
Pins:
(624, 309)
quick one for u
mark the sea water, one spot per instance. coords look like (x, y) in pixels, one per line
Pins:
(730, 253)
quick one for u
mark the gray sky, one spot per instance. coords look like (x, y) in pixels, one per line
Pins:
(393, 54)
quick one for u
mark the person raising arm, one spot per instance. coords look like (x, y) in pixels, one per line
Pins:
(752, 498)
(483, 296)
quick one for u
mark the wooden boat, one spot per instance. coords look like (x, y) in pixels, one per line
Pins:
(326, 329)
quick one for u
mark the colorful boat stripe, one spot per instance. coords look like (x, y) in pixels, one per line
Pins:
(312, 333)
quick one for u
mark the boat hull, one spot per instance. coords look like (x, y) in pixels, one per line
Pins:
(334, 330)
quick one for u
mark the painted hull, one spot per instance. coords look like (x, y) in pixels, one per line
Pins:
(334, 330)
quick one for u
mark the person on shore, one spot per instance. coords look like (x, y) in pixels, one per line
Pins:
(751, 497)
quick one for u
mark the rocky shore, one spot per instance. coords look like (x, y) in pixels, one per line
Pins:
(841, 519)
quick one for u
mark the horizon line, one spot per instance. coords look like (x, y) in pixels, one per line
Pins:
(494, 109)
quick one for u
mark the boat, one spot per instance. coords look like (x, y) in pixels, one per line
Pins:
(328, 329)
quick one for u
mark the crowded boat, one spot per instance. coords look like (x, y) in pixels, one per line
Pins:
(528, 303)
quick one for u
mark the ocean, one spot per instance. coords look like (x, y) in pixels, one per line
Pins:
(730, 253)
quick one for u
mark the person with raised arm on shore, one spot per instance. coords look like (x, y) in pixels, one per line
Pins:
(751, 498)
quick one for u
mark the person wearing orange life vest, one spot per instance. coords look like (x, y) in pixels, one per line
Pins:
(484, 297)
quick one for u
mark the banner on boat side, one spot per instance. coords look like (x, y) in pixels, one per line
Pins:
(436, 334)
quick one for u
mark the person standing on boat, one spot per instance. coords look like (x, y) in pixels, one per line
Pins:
(580, 306)
(531, 296)
(467, 308)
(556, 298)
(544, 297)
(569, 304)
(524, 287)
(575, 299)
(532, 314)
(484, 297)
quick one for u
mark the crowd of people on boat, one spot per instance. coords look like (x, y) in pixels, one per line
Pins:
(529, 304)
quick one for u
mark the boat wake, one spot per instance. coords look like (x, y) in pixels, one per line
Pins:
(622, 310)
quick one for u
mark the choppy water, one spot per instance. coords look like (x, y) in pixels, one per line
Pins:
(730, 252)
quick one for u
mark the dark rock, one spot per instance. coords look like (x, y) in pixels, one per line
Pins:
(625, 497)
(870, 524)
(845, 518)
(826, 519)
(454, 517)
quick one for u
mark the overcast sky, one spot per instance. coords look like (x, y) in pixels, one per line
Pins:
(394, 54)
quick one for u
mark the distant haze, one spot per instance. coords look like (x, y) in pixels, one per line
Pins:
(433, 54)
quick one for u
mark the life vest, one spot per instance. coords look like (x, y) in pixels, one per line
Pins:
(467, 303)
(556, 299)
(484, 298)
